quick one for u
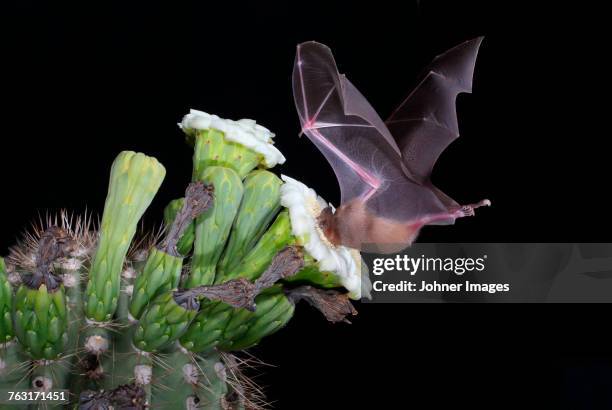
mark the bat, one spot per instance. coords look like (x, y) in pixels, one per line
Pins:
(383, 167)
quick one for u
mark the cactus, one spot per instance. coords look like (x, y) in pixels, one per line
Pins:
(128, 320)
(213, 227)
(6, 305)
(134, 180)
(185, 243)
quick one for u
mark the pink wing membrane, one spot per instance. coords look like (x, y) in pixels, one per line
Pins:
(352, 137)
(426, 121)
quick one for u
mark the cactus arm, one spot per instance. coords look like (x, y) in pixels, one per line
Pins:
(41, 321)
(134, 181)
(277, 237)
(220, 325)
(160, 274)
(162, 271)
(214, 225)
(260, 203)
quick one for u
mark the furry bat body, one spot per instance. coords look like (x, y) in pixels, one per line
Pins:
(383, 168)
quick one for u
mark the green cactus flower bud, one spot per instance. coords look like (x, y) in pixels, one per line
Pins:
(161, 273)
(241, 145)
(277, 237)
(6, 306)
(41, 321)
(220, 324)
(185, 243)
(213, 226)
(134, 181)
(163, 322)
(260, 203)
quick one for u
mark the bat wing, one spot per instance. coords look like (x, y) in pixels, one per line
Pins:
(365, 157)
(426, 121)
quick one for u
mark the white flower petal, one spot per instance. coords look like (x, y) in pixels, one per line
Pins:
(245, 132)
(304, 207)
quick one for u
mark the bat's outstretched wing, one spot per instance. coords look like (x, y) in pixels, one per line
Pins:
(352, 137)
(426, 121)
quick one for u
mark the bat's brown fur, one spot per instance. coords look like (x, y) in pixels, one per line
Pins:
(354, 226)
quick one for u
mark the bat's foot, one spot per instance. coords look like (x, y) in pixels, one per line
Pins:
(469, 210)
(453, 213)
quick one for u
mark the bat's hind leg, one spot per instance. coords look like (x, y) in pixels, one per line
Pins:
(460, 211)
(469, 210)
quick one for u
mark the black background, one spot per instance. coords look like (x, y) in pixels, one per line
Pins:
(83, 82)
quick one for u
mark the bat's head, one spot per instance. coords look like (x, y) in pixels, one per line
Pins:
(328, 224)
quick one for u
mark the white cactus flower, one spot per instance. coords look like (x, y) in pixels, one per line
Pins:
(244, 132)
(304, 207)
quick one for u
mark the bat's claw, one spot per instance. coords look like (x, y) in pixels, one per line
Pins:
(469, 210)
